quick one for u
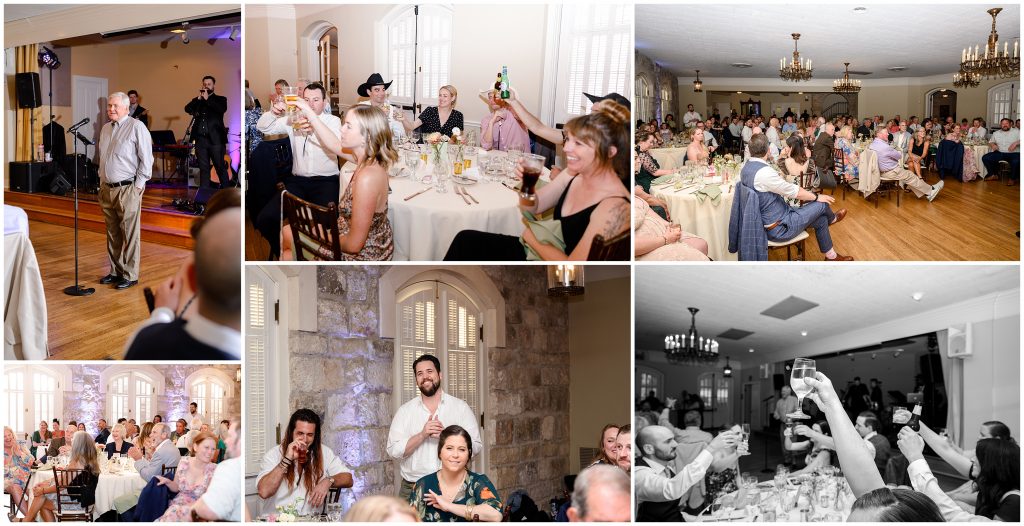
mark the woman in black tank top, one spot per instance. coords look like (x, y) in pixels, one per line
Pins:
(589, 198)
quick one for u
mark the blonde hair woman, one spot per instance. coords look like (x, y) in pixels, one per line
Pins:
(697, 151)
(365, 140)
(918, 150)
(17, 466)
(118, 445)
(851, 158)
(443, 118)
(381, 508)
(83, 456)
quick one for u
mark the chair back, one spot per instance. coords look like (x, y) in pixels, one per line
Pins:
(614, 249)
(74, 486)
(333, 496)
(168, 472)
(315, 232)
(840, 161)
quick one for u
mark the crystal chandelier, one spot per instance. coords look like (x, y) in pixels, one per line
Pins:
(691, 348)
(796, 71)
(964, 79)
(992, 62)
(845, 85)
(698, 86)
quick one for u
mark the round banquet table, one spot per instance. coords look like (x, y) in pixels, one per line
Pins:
(978, 150)
(748, 513)
(109, 487)
(425, 225)
(669, 157)
(707, 220)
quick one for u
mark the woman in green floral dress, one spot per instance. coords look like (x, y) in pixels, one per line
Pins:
(453, 493)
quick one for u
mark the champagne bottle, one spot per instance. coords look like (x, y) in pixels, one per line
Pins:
(915, 419)
(504, 83)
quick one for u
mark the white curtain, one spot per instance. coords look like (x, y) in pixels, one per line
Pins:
(953, 375)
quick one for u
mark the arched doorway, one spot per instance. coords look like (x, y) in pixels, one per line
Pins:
(318, 56)
(941, 103)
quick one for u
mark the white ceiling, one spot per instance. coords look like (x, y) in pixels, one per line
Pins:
(850, 298)
(14, 12)
(926, 38)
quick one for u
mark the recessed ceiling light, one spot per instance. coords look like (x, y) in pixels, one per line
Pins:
(897, 68)
(803, 333)
(751, 350)
(740, 65)
(860, 10)
(739, 92)
(799, 93)
(917, 296)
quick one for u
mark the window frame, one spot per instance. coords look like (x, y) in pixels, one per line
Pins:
(62, 375)
(421, 92)
(216, 377)
(1013, 87)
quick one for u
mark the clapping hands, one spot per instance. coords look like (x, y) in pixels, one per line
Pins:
(433, 427)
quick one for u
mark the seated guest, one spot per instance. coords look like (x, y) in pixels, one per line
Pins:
(180, 430)
(453, 493)
(890, 170)
(996, 474)
(443, 118)
(918, 150)
(866, 130)
(41, 438)
(819, 454)
(649, 169)
(363, 224)
(723, 476)
(624, 447)
(81, 426)
(658, 491)
(796, 157)
(665, 132)
(670, 120)
(501, 129)
(962, 461)
(119, 445)
(1005, 146)
(658, 240)
(191, 479)
(901, 139)
(301, 470)
(164, 453)
(83, 456)
(104, 434)
(710, 142)
(600, 494)
(589, 198)
(17, 468)
(822, 154)
(381, 508)
(697, 151)
(223, 498)
(143, 442)
(851, 157)
(62, 446)
(606, 445)
(789, 126)
(557, 136)
(214, 331)
(977, 132)
(314, 173)
(657, 204)
(760, 211)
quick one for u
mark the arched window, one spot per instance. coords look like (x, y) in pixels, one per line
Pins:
(666, 102)
(418, 48)
(1003, 103)
(643, 98)
(131, 394)
(435, 317)
(596, 53)
(209, 388)
(648, 380)
(715, 390)
(33, 393)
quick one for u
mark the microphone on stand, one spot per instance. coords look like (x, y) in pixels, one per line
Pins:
(74, 127)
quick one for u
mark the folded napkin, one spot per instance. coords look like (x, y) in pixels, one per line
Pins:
(546, 231)
(471, 173)
(712, 192)
(665, 179)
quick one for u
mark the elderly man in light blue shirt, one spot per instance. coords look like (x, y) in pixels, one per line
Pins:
(890, 169)
(789, 126)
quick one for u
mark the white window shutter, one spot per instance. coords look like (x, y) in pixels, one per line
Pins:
(257, 423)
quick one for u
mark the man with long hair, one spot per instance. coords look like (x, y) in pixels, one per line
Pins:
(301, 470)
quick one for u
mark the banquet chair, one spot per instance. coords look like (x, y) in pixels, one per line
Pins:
(72, 485)
(314, 228)
(797, 241)
(840, 167)
(887, 188)
(614, 249)
(333, 496)
(168, 472)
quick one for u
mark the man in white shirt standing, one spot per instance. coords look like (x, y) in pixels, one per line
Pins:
(418, 423)
(658, 488)
(301, 467)
(691, 118)
(193, 411)
(315, 170)
(1005, 146)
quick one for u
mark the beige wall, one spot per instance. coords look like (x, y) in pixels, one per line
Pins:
(599, 361)
(272, 50)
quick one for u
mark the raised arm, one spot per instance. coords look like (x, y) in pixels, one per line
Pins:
(533, 123)
(944, 449)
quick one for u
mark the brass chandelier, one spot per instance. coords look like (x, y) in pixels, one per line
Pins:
(796, 71)
(845, 85)
(964, 79)
(991, 62)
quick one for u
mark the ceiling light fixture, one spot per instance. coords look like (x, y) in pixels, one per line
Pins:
(803, 333)
(565, 280)
(991, 62)
(796, 71)
(917, 296)
(966, 79)
(698, 86)
(691, 348)
(727, 370)
(845, 85)
(751, 350)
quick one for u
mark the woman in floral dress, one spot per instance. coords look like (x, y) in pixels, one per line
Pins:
(191, 479)
(453, 493)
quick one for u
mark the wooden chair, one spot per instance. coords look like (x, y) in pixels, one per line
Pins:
(72, 485)
(887, 188)
(168, 472)
(797, 241)
(839, 160)
(333, 496)
(614, 249)
(315, 233)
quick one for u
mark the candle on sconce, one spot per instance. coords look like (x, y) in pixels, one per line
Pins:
(1015, 49)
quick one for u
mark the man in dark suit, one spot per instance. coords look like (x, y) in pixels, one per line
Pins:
(135, 110)
(866, 130)
(101, 437)
(62, 445)
(822, 152)
(209, 133)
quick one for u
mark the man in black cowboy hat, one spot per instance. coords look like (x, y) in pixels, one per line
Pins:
(548, 133)
(377, 91)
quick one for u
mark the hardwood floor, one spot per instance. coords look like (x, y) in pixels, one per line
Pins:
(974, 221)
(94, 327)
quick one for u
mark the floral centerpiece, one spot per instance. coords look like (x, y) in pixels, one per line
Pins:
(289, 513)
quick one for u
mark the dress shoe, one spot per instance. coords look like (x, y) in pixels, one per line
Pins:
(839, 215)
(109, 278)
(125, 283)
(840, 257)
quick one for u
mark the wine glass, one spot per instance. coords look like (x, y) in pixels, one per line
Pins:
(802, 367)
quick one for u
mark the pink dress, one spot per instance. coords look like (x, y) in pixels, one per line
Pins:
(180, 509)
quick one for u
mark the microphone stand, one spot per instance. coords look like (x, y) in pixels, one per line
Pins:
(77, 289)
(766, 468)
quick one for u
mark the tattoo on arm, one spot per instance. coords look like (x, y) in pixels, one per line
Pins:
(617, 220)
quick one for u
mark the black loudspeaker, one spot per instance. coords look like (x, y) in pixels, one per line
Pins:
(27, 176)
(778, 380)
(203, 195)
(27, 89)
(59, 185)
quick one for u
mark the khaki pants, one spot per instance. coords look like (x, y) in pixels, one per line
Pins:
(405, 490)
(908, 178)
(122, 213)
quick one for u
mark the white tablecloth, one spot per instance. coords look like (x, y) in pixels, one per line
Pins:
(707, 220)
(978, 151)
(669, 157)
(109, 487)
(425, 225)
(819, 513)
(25, 325)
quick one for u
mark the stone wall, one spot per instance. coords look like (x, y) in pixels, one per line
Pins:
(659, 77)
(343, 371)
(85, 402)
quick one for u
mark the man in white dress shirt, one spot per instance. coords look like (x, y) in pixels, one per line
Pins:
(193, 411)
(301, 467)
(658, 489)
(1005, 146)
(691, 118)
(418, 423)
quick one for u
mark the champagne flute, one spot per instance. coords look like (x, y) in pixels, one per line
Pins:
(802, 367)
